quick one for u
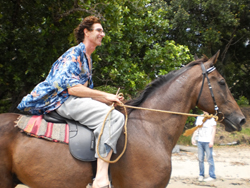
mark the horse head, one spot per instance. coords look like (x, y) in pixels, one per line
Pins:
(218, 99)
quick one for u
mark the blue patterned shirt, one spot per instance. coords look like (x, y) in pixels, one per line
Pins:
(70, 69)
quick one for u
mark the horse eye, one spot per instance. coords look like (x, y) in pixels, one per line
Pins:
(222, 82)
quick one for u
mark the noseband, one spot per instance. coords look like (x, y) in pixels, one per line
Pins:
(204, 76)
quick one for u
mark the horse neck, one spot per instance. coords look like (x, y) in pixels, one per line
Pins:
(179, 95)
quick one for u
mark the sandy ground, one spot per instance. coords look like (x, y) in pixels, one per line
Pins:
(232, 168)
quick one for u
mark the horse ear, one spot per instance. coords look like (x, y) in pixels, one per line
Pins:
(216, 56)
(213, 59)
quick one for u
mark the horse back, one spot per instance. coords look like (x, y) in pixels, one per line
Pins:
(7, 121)
(8, 131)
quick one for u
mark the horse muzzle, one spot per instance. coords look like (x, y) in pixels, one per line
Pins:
(233, 123)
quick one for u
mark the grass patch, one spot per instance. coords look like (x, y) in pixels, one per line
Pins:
(184, 140)
(245, 131)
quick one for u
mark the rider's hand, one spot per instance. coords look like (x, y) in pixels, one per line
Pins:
(121, 98)
(111, 98)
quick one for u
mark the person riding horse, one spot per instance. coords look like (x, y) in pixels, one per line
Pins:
(68, 90)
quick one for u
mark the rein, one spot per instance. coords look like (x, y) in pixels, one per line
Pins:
(187, 132)
(125, 132)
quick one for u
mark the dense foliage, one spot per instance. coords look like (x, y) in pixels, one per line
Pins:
(144, 39)
(32, 35)
(208, 26)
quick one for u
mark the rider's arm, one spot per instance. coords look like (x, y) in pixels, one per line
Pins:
(83, 91)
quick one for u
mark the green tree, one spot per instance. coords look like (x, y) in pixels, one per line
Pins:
(136, 49)
(33, 35)
(207, 26)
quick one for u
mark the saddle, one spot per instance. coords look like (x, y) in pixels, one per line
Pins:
(81, 138)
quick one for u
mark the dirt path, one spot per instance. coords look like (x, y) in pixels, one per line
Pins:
(232, 168)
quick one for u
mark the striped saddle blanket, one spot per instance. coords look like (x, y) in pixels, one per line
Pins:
(36, 126)
(80, 139)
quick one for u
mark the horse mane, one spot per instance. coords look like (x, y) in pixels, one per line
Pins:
(157, 83)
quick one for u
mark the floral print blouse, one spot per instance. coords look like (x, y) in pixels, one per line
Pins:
(70, 69)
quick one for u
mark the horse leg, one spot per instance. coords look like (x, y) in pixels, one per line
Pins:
(144, 176)
(6, 176)
(140, 168)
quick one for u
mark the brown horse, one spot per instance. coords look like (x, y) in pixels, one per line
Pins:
(151, 136)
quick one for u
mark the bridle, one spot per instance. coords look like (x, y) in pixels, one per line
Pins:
(204, 76)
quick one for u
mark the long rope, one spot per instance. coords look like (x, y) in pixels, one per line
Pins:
(125, 132)
(186, 133)
(169, 112)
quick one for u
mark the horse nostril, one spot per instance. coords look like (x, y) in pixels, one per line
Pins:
(242, 122)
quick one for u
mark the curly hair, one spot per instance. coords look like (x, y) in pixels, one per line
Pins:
(86, 23)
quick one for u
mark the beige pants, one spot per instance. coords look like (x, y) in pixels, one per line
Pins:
(92, 113)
